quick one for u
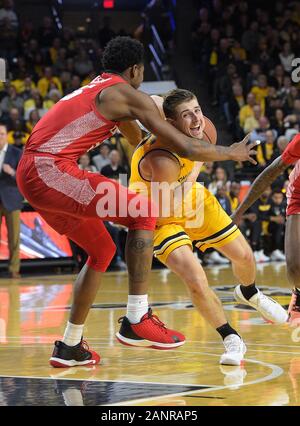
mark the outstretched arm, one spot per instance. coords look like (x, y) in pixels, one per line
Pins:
(121, 102)
(262, 182)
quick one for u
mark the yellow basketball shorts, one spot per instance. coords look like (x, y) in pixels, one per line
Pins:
(216, 230)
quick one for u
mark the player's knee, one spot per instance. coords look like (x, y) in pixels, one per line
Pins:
(198, 286)
(245, 256)
(100, 258)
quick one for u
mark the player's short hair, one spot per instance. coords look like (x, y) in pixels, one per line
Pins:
(3, 125)
(174, 98)
(122, 52)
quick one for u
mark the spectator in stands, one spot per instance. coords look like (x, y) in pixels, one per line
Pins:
(7, 13)
(222, 197)
(257, 221)
(10, 199)
(15, 120)
(83, 65)
(286, 57)
(277, 122)
(48, 81)
(267, 150)
(277, 225)
(19, 139)
(250, 39)
(37, 102)
(85, 163)
(233, 195)
(114, 169)
(252, 76)
(102, 159)
(34, 117)
(11, 100)
(75, 84)
(252, 121)
(205, 175)
(261, 91)
(259, 133)
(247, 110)
(219, 178)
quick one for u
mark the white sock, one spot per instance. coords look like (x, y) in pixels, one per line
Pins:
(73, 334)
(137, 307)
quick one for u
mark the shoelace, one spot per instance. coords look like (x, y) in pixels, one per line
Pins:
(153, 318)
(158, 322)
(233, 346)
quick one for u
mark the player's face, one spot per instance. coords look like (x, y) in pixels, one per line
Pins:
(189, 119)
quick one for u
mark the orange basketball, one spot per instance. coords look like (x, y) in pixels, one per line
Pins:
(210, 132)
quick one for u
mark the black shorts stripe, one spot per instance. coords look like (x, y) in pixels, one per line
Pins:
(179, 234)
(173, 242)
(217, 234)
(218, 241)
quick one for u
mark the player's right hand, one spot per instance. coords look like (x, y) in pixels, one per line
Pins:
(243, 151)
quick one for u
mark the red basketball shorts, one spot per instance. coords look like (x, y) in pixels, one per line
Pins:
(75, 203)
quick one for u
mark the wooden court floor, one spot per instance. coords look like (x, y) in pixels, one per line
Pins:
(33, 313)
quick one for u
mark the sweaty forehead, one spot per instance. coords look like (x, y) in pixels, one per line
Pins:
(187, 106)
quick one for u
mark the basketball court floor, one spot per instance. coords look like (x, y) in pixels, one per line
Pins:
(33, 313)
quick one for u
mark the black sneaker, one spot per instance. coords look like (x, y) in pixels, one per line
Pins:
(70, 356)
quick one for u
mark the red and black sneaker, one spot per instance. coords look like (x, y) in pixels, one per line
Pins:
(150, 332)
(294, 308)
(70, 356)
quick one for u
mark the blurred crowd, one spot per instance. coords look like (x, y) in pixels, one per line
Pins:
(45, 63)
(245, 52)
(245, 55)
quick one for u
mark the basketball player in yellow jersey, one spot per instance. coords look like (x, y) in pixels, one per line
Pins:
(152, 162)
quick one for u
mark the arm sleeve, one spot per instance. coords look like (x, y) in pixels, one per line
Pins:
(291, 154)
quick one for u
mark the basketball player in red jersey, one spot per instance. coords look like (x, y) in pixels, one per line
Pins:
(72, 200)
(291, 155)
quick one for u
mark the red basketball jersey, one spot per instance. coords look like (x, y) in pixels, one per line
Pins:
(73, 126)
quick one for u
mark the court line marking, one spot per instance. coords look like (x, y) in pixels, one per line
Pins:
(276, 372)
(107, 380)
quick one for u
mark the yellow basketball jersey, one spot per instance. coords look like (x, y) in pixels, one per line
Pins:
(151, 143)
(142, 185)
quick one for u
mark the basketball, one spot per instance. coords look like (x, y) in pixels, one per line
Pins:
(210, 132)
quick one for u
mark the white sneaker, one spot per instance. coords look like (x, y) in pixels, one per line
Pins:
(235, 350)
(277, 255)
(215, 258)
(265, 305)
